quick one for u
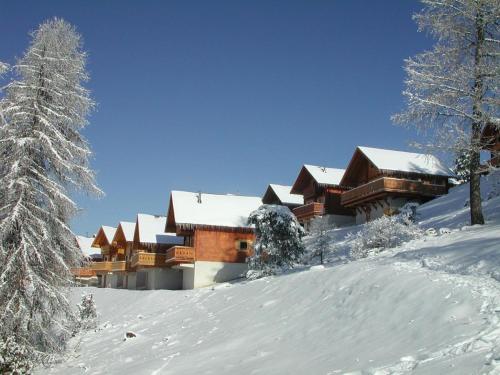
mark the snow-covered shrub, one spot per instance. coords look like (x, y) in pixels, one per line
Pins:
(87, 313)
(408, 213)
(380, 234)
(278, 242)
(15, 358)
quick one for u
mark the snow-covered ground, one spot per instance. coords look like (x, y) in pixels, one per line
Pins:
(431, 306)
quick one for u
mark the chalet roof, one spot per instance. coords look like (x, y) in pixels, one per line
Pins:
(106, 233)
(109, 232)
(151, 229)
(408, 162)
(216, 210)
(128, 229)
(323, 176)
(284, 195)
(85, 245)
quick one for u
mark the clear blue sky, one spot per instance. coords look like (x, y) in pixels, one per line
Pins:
(227, 96)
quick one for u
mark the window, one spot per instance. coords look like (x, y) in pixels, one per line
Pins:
(243, 245)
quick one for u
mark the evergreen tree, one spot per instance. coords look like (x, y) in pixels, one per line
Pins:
(278, 241)
(87, 312)
(44, 159)
(453, 88)
(462, 166)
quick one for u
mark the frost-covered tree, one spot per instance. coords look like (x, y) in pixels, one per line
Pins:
(44, 160)
(453, 88)
(278, 242)
(461, 166)
(320, 242)
(87, 312)
(3, 68)
(15, 358)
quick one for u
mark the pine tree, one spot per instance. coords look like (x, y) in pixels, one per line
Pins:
(44, 159)
(453, 88)
(278, 241)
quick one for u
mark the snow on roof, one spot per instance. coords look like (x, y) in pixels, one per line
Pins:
(405, 161)
(324, 175)
(85, 245)
(109, 232)
(128, 230)
(152, 230)
(214, 210)
(284, 195)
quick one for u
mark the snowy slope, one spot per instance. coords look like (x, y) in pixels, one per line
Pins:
(431, 306)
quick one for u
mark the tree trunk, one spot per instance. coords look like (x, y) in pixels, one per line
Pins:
(476, 211)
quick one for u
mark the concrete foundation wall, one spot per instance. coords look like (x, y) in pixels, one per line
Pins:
(208, 273)
(161, 278)
(131, 280)
(377, 209)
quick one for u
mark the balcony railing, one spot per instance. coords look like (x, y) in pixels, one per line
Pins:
(119, 266)
(309, 210)
(383, 185)
(83, 272)
(179, 254)
(143, 259)
(102, 266)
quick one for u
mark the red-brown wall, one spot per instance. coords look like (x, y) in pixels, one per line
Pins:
(220, 246)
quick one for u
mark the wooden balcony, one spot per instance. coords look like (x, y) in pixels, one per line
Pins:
(102, 266)
(118, 266)
(179, 254)
(390, 186)
(143, 259)
(308, 211)
(83, 272)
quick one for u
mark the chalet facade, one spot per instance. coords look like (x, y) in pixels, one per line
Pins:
(146, 267)
(104, 241)
(490, 139)
(217, 238)
(321, 188)
(122, 245)
(381, 181)
(280, 195)
(85, 274)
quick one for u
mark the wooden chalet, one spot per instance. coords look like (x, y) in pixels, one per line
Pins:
(147, 266)
(381, 181)
(321, 189)
(217, 236)
(104, 241)
(151, 242)
(122, 243)
(490, 139)
(84, 274)
(280, 195)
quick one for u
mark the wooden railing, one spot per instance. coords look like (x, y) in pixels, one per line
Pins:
(83, 272)
(309, 210)
(102, 266)
(179, 254)
(119, 266)
(143, 259)
(366, 191)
